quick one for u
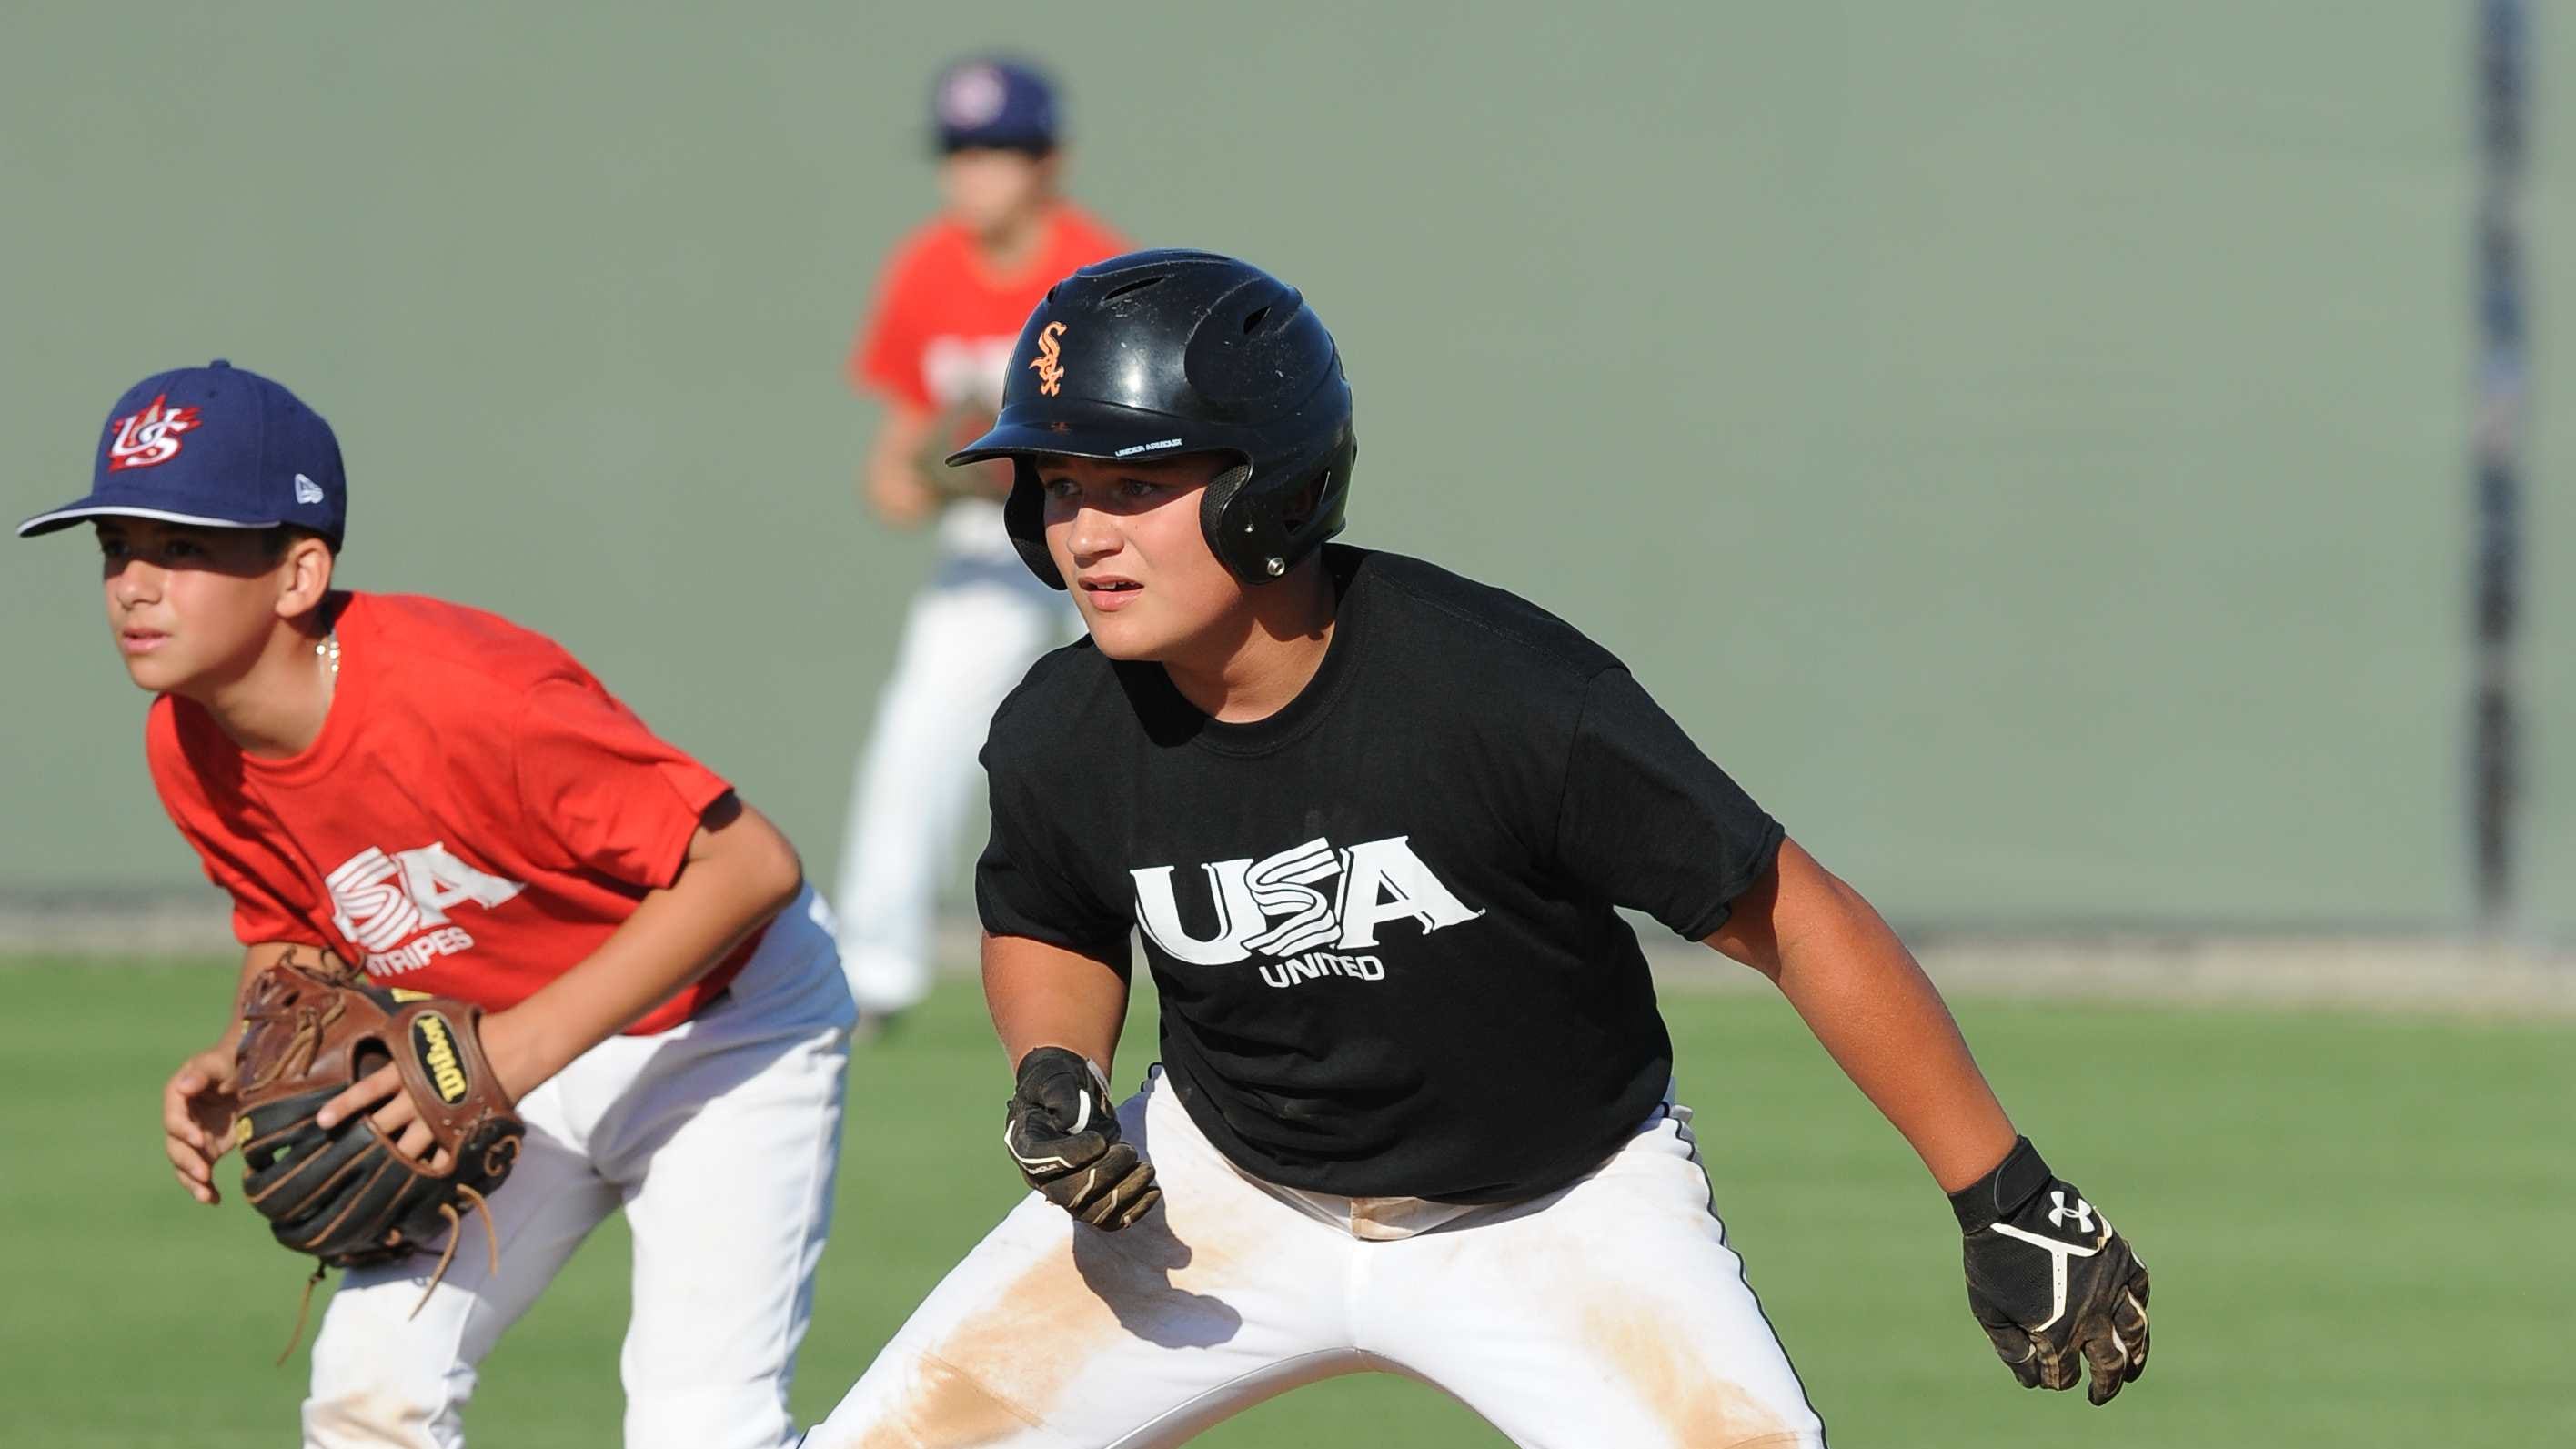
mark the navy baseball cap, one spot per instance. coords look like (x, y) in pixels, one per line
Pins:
(218, 446)
(992, 103)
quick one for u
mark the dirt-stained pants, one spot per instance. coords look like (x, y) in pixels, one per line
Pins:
(1610, 1312)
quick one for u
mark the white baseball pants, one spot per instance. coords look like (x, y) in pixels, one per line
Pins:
(970, 637)
(1607, 1313)
(719, 1138)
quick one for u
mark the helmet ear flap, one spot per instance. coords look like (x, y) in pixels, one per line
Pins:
(1232, 533)
(1260, 528)
(1332, 495)
(1024, 518)
(1221, 492)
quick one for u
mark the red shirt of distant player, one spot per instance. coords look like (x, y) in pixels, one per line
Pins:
(475, 818)
(944, 325)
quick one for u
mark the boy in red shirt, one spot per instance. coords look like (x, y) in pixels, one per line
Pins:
(949, 306)
(456, 805)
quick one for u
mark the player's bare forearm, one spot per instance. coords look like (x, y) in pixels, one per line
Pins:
(2053, 1285)
(1859, 990)
(740, 873)
(892, 474)
(1042, 995)
(1058, 1014)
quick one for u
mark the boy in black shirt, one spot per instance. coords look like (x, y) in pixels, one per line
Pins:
(1373, 821)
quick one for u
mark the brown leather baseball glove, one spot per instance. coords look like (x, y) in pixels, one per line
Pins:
(345, 1195)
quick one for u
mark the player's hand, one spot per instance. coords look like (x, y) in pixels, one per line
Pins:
(2050, 1280)
(1064, 1135)
(899, 496)
(509, 1043)
(197, 1106)
(379, 1097)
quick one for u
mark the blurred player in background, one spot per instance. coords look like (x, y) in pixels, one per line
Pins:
(934, 351)
(457, 806)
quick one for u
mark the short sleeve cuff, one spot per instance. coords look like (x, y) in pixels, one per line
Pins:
(1721, 906)
(1115, 951)
(697, 788)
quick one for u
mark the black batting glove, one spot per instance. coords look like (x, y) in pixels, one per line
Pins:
(2051, 1281)
(1064, 1135)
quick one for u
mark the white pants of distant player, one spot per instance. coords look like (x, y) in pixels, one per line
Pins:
(719, 1139)
(1609, 1314)
(974, 630)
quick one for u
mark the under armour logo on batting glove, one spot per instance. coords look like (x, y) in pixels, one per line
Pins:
(1064, 1136)
(2053, 1284)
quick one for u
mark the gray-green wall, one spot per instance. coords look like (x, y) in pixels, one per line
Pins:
(2023, 440)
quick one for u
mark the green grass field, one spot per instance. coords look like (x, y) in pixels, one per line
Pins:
(2358, 1228)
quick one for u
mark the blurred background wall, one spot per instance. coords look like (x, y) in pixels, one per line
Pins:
(2026, 443)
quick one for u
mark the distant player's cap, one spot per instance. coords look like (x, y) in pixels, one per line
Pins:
(996, 104)
(218, 446)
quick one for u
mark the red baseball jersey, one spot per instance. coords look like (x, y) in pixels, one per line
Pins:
(476, 816)
(942, 332)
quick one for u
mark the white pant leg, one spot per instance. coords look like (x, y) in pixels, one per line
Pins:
(1609, 1312)
(969, 638)
(1053, 1335)
(764, 1064)
(383, 1376)
(725, 1147)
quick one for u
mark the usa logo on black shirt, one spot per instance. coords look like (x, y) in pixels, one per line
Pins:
(1291, 905)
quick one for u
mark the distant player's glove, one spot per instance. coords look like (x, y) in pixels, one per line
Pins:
(2053, 1284)
(1064, 1135)
(345, 1195)
(948, 432)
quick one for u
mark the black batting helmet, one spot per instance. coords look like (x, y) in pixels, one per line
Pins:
(1159, 353)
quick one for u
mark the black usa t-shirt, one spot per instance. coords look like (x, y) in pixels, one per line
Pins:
(1381, 919)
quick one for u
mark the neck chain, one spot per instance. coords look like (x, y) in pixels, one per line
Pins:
(328, 650)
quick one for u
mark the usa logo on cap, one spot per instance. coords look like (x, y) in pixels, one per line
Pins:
(972, 97)
(993, 102)
(150, 436)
